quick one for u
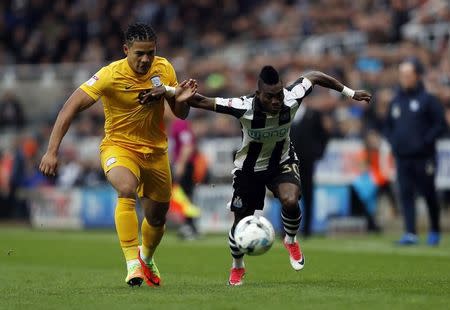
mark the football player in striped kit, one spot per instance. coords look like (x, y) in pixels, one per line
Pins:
(266, 157)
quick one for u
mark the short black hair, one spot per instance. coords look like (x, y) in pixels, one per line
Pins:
(269, 75)
(139, 32)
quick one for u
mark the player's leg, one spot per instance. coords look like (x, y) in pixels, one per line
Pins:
(288, 194)
(237, 270)
(406, 177)
(152, 229)
(248, 196)
(238, 256)
(123, 173)
(425, 181)
(157, 186)
(126, 220)
(286, 187)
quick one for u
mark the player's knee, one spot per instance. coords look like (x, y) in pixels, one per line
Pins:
(289, 202)
(126, 190)
(156, 221)
(156, 213)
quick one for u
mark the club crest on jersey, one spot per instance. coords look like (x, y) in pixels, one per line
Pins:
(237, 202)
(156, 81)
(414, 105)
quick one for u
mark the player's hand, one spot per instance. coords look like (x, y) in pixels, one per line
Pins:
(362, 95)
(185, 90)
(49, 164)
(151, 95)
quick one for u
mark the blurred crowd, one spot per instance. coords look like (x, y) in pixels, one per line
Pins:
(223, 44)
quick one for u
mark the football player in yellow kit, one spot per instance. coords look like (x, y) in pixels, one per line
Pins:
(134, 150)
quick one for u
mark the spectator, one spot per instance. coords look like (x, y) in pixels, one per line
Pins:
(415, 121)
(70, 169)
(183, 160)
(310, 136)
(11, 112)
(25, 175)
(6, 167)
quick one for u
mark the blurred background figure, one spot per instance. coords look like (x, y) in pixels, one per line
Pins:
(184, 153)
(12, 115)
(310, 132)
(380, 169)
(415, 121)
(70, 169)
(25, 176)
(6, 164)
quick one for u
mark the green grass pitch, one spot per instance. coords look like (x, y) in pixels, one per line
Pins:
(84, 270)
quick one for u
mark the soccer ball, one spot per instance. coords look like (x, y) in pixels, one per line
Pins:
(254, 235)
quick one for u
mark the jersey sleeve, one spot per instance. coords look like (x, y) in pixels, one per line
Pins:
(171, 75)
(300, 88)
(96, 86)
(231, 106)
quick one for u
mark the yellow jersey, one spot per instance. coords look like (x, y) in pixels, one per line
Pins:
(127, 123)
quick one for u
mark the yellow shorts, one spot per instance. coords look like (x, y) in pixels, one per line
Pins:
(151, 170)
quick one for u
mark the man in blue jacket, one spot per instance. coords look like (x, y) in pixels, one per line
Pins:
(415, 120)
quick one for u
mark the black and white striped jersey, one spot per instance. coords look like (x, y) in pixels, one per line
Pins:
(265, 137)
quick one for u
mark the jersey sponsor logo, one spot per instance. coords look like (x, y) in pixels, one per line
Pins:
(264, 134)
(110, 161)
(156, 81)
(92, 80)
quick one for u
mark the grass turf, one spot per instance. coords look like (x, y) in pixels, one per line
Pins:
(84, 270)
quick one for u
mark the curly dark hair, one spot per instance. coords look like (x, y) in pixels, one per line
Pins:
(139, 32)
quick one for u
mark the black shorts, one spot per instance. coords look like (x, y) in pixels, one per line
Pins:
(249, 189)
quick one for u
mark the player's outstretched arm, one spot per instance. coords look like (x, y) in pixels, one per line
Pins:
(324, 80)
(202, 102)
(179, 95)
(76, 103)
(178, 106)
(185, 90)
(194, 99)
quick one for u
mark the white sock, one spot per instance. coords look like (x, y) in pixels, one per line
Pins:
(238, 262)
(132, 263)
(289, 239)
